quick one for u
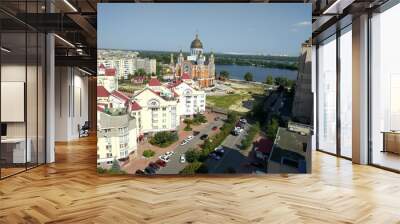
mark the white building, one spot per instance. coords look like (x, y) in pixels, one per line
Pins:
(191, 100)
(107, 77)
(116, 138)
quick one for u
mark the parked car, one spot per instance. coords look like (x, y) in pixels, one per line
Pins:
(243, 120)
(216, 118)
(164, 158)
(213, 155)
(161, 163)
(195, 133)
(236, 131)
(184, 142)
(170, 153)
(149, 170)
(204, 137)
(190, 137)
(154, 166)
(140, 172)
(183, 159)
(214, 128)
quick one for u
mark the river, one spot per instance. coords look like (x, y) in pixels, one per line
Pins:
(259, 73)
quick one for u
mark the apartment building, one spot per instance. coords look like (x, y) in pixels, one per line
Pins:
(155, 110)
(128, 66)
(116, 138)
(107, 77)
(191, 100)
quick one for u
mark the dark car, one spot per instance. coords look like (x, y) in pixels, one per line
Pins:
(214, 156)
(214, 128)
(140, 172)
(161, 163)
(195, 133)
(149, 170)
(204, 137)
(154, 166)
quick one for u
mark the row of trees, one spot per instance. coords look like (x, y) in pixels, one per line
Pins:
(270, 80)
(196, 157)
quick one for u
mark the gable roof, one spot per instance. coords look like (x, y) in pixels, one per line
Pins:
(135, 106)
(264, 145)
(102, 92)
(110, 71)
(154, 82)
(120, 95)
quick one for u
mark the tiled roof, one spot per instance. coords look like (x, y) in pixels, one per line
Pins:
(102, 92)
(110, 72)
(102, 66)
(100, 108)
(154, 82)
(264, 145)
(120, 95)
(135, 106)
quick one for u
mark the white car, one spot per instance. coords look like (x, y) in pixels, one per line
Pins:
(184, 142)
(218, 148)
(183, 159)
(170, 153)
(190, 137)
(244, 121)
(164, 158)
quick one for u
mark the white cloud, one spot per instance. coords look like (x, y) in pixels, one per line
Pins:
(304, 23)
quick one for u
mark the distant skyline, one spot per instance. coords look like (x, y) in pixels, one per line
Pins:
(237, 28)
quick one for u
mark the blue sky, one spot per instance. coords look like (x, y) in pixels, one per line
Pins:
(255, 28)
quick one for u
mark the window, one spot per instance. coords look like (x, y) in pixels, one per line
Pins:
(346, 92)
(385, 89)
(327, 95)
(109, 155)
(108, 147)
(164, 108)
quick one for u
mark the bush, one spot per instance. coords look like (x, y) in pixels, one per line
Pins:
(148, 153)
(199, 118)
(101, 170)
(248, 140)
(272, 128)
(191, 168)
(192, 156)
(164, 138)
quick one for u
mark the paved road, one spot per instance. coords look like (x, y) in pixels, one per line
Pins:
(174, 166)
(232, 157)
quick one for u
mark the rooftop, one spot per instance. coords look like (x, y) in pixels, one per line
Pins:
(102, 92)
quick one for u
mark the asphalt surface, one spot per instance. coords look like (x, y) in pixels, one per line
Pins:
(174, 166)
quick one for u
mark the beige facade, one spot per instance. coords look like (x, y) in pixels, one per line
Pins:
(159, 111)
(116, 138)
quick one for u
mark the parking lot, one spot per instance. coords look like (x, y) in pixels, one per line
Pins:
(140, 163)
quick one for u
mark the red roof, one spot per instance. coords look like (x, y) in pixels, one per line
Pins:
(120, 95)
(264, 145)
(110, 72)
(185, 76)
(175, 93)
(102, 66)
(102, 92)
(100, 108)
(135, 106)
(154, 82)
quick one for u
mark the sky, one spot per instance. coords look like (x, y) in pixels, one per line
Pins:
(244, 28)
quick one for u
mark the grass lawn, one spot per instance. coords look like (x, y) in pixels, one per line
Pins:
(225, 101)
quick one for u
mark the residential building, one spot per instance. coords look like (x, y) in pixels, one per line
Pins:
(116, 138)
(107, 77)
(302, 109)
(157, 108)
(291, 152)
(191, 100)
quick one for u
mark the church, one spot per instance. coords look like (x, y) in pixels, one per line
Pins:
(195, 66)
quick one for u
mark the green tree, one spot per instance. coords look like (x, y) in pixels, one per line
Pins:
(269, 80)
(148, 153)
(248, 76)
(224, 74)
(164, 138)
(192, 155)
(272, 128)
(140, 72)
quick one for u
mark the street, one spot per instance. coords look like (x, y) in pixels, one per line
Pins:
(174, 166)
